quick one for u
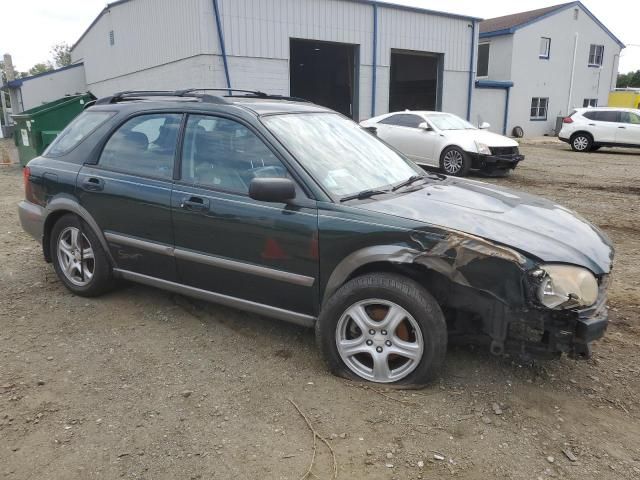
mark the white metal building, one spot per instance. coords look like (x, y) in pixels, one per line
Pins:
(33, 91)
(536, 66)
(361, 57)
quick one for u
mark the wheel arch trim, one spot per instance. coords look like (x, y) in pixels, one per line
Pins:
(69, 204)
(398, 254)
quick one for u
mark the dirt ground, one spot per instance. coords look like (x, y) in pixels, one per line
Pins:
(142, 384)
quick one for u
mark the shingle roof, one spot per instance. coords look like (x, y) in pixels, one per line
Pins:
(509, 21)
(508, 24)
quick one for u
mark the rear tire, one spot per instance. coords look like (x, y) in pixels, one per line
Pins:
(455, 162)
(409, 340)
(581, 142)
(78, 257)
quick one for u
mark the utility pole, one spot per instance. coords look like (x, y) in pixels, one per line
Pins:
(5, 114)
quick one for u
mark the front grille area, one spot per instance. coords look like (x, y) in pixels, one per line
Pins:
(504, 151)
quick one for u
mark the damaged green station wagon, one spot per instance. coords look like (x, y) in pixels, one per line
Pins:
(290, 210)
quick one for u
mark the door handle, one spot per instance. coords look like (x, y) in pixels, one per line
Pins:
(592, 124)
(195, 203)
(624, 128)
(93, 184)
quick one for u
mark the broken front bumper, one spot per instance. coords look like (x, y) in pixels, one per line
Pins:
(558, 331)
(495, 162)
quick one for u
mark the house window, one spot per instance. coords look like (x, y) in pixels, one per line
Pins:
(539, 108)
(545, 47)
(483, 59)
(590, 102)
(596, 52)
(576, 12)
(112, 38)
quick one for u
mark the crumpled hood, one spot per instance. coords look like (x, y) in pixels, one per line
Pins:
(484, 136)
(527, 223)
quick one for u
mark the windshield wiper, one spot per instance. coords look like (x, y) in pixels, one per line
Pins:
(407, 182)
(364, 194)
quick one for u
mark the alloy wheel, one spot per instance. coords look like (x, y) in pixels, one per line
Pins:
(580, 143)
(379, 340)
(75, 256)
(452, 162)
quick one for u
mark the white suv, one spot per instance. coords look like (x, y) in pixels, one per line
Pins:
(588, 129)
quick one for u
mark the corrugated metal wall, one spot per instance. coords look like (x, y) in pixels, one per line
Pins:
(154, 33)
(147, 33)
(401, 29)
(262, 28)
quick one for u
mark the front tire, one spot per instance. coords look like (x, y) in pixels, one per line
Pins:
(78, 257)
(581, 142)
(455, 162)
(383, 328)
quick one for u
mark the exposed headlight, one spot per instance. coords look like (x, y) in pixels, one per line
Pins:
(483, 148)
(565, 286)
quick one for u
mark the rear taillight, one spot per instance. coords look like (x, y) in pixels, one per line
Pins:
(26, 174)
(567, 120)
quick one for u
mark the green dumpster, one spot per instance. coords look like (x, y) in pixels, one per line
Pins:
(37, 127)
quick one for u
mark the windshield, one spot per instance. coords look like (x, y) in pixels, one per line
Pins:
(339, 154)
(446, 121)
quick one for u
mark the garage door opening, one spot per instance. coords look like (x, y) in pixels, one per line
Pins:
(325, 73)
(415, 82)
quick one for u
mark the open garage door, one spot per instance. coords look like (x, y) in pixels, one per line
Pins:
(325, 73)
(415, 82)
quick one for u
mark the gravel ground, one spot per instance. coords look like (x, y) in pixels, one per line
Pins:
(142, 384)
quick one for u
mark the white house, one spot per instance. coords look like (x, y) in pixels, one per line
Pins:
(360, 57)
(536, 66)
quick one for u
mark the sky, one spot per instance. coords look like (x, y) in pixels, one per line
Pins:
(53, 21)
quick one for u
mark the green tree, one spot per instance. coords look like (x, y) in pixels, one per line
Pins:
(61, 53)
(629, 80)
(40, 68)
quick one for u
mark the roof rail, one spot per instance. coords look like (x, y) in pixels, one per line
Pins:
(138, 94)
(248, 93)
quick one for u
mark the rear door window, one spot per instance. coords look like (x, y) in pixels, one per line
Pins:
(144, 145)
(403, 120)
(79, 129)
(603, 115)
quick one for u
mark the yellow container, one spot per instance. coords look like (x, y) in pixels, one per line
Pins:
(625, 98)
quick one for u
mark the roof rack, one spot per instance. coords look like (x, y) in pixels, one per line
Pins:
(248, 94)
(130, 95)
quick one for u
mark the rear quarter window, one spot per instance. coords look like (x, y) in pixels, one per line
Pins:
(79, 129)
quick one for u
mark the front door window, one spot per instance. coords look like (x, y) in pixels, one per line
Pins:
(224, 154)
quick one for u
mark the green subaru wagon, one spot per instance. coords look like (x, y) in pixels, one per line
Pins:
(281, 207)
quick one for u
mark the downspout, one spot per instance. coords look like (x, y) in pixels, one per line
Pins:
(473, 51)
(573, 68)
(614, 72)
(374, 64)
(223, 50)
(506, 111)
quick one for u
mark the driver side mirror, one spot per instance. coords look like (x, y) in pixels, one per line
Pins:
(484, 126)
(425, 126)
(274, 189)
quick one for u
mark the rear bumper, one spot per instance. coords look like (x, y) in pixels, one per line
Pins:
(495, 162)
(32, 219)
